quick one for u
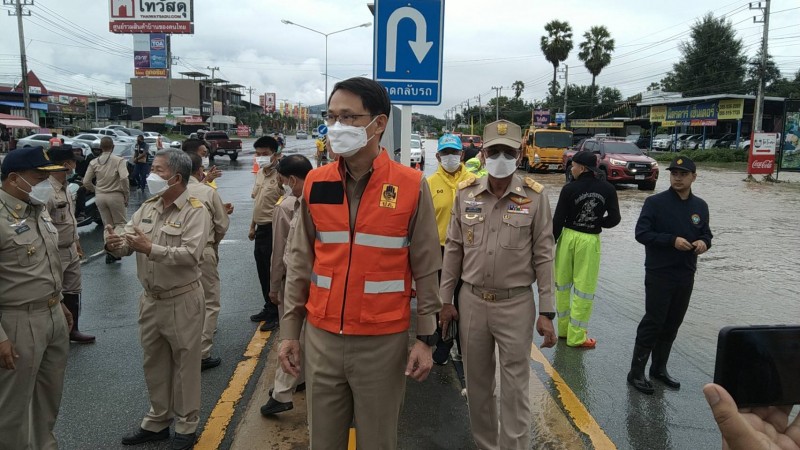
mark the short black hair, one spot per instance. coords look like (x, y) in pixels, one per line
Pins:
(297, 165)
(266, 142)
(373, 95)
(191, 145)
(197, 161)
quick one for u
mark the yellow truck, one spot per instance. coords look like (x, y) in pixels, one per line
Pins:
(544, 149)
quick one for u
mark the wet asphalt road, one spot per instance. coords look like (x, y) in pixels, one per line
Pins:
(746, 278)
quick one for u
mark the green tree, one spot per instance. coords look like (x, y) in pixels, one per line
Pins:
(596, 53)
(712, 60)
(557, 44)
(654, 86)
(583, 104)
(518, 87)
(771, 73)
(785, 88)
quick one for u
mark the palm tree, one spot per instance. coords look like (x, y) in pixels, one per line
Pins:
(518, 87)
(596, 53)
(557, 44)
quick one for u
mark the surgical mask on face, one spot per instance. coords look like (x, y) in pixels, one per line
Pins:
(263, 161)
(156, 184)
(206, 161)
(347, 140)
(41, 193)
(450, 163)
(501, 165)
(287, 189)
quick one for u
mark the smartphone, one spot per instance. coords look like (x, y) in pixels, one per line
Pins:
(759, 365)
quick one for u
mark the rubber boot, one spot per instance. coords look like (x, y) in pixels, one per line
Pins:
(658, 369)
(72, 302)
(636, 376)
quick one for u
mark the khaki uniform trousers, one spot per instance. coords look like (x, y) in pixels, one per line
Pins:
(30, 396)
(509, 324)
(71, 264)
(112, 208)
(209, 278)
(361, 376)
(285, 384)
(169, 331)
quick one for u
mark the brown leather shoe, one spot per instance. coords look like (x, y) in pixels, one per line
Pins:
(81, 338)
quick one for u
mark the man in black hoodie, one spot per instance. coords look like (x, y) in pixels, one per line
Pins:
(674, 228)
(585, 206)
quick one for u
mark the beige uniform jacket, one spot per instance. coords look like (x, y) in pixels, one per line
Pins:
(30, 268)
(424, 253)
(281, 222)
(266, 193)
(112, 175)
(216, 209)
(500, 243)
(178, 234)
(61, 208)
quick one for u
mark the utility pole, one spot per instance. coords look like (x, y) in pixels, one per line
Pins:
(19, 11)
(211, 117)
(250, 102)
(759, 109)
(94, 97)
(480, 111)
(566, 92)
(497, 100)
(169, 75)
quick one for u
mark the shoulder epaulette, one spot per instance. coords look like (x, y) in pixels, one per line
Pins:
(533, 184)
(468, 181)
(280, 200)
(195, 202)
(152, 199)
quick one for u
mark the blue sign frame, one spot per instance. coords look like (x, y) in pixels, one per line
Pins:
(407, 58)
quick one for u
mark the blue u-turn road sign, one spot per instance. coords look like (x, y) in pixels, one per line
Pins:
(408, 50)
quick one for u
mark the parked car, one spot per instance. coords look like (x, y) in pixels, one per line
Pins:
(314, 133)
(728, 140)
(662, 142)
(417, 153)
(114, 127)
(622, 162)
(220, 144)
(116, 134)
(692, 142)
(154, 140)
(43, 140)
(301, 135)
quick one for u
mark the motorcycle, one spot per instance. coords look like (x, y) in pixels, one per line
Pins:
(89, 213)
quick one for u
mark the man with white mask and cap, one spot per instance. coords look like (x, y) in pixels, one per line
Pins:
(365, 229)
(266, 192)
(499, 242)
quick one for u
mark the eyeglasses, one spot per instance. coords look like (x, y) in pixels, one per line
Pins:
(344, 119)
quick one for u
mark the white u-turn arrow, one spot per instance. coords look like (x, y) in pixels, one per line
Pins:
(420, 47)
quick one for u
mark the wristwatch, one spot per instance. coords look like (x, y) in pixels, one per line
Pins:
(429, 339)
(549, 315)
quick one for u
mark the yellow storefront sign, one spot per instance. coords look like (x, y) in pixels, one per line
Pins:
(731, 109)
(593, 124)
(669, 123)
(658, 113)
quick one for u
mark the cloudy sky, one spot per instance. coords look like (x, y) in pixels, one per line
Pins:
(487, 43)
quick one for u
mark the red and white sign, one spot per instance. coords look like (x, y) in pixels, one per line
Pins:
(243, 131)
(193, 119)
(151, 16)
(762, 153)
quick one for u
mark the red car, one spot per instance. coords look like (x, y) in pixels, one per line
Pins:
(622, 162)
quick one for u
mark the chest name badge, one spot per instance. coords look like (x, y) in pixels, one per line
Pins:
(147, 221)
(389, 196)
(21, 229)
(474, 209)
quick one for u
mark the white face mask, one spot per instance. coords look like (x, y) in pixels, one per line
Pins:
(206, 161)
(156, 184)
(501, 165)
(41, 193)
(263, 161)
(450, 163)
(347, 140)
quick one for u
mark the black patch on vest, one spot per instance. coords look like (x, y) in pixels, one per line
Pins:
(327, 193)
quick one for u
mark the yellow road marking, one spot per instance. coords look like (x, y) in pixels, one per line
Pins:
(577, 411)
(221, 415)
(351, 444)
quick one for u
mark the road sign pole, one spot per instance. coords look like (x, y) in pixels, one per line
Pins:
(405, 135)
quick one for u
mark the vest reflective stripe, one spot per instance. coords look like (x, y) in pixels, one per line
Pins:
(321, 281)
(578, 323)
(380, 287)
(333, 237)
(563, 313)
(376, 240)
(583, 295)
(565, 287)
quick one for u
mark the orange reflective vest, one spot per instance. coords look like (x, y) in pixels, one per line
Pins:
(361, 279)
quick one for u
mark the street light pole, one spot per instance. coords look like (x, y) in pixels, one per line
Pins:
(289, 22)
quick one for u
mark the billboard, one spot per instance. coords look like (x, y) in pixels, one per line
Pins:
(151, 16)
(150, 55)
(790, 153)
(269, 102)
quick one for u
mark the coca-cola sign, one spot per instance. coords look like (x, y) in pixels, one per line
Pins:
(762, 164)
(761, 160)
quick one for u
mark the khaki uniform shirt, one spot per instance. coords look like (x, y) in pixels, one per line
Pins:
(284, 212)
(266, 193)
(61, 208)
(219, 220)
(178, 234)
(112, 175)
(500, 243)
(30, 268)
(423, 251)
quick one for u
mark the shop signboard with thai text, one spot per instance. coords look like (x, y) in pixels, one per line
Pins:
(151, 16)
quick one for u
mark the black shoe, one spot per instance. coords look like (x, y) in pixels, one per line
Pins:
(275, 407)
(300, 388)
(636, 375)
(142, 436)
(111, 259)
(209, 363)
(664, 377)
(641, 383)
(441, 353)
(261, 316)
(658, 369)
(184, 441)
(269, 325)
